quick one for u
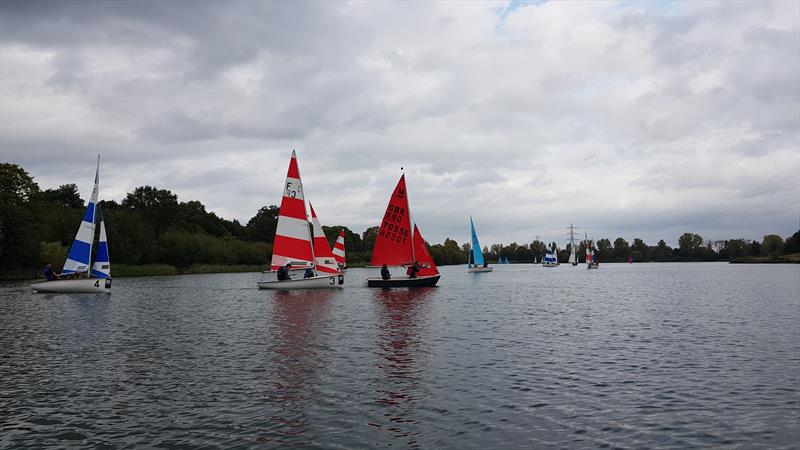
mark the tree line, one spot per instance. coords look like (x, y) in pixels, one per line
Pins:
(152, 226)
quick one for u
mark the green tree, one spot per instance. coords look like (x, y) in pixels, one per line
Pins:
(792, 244)
(661, 252)
(263, 225)
(689, 245)
(158, 206)
(621, 249)
(642, 248)
(19, 242)
(771, 245)
(368, 239)
(66, 196)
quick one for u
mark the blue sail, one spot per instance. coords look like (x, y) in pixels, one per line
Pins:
(102, 266)
(477, 256)
(81, 250)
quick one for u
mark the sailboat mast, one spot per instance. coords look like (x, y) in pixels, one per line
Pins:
(309, 225)
(411, 222)
(94, 213)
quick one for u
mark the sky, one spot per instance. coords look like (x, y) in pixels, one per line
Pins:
(631, 119)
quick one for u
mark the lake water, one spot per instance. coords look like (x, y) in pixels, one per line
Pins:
(643, 355)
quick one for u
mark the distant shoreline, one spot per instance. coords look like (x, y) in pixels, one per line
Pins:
(794, 258)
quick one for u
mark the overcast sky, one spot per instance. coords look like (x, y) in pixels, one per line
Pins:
(626, 118)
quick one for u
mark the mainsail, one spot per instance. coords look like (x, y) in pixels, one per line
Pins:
(292, 237)
(477, 256)
(81, 250)
(393, 244)
(338, 250)
(572, 256)
(102, 265)
(322, 250)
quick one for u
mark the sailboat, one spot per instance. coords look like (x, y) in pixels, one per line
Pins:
(476, 262)
(630, 259)
(397, 244)
(591, 256)
(551, 257)
(506, 261)
(92, 278)
(338, 251)
(295, 244)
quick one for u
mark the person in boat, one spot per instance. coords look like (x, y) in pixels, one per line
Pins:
(412, 270)
(283, 273)
(385, 274)
(48, 273)
(309, 272)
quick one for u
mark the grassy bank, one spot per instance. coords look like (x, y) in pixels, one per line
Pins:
(794, 258)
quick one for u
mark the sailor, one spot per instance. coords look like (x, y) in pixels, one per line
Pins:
(385, 274)
(412, 270)
(283, 273)
(309, 272)
(48, 272)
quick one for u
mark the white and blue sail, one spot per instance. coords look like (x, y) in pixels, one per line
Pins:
(102, 265)
(80, 253)
(477, 256)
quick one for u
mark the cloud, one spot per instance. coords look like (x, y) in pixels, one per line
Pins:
(626, 118)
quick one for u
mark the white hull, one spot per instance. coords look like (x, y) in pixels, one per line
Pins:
(78, 285)
(479, 269)
(550, 264)
(318, 282)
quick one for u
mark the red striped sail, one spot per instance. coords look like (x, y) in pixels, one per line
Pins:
(326, 263)
(588, 252)
(292, 237)
(393, 242)
(338, 250)
(427, 266)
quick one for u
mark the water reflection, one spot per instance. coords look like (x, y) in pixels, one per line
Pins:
(296, 357)
(401, 353)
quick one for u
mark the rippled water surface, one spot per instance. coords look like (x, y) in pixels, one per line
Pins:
(643, 355)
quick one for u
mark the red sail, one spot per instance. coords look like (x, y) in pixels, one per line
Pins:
(427, 266)
(393, 242)
(292, 237)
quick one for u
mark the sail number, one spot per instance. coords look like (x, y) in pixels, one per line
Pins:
(390, 229)
(291, 190)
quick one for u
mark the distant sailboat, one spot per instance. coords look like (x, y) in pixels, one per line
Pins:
(338, 251)
(630, 259)
(551, 257)
(97, 276)
(476, 262)
(573, 256)
(591, 260)
(506, 261)
(294, 241)
(397, 245)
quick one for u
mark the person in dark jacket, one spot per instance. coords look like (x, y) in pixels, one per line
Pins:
(385, 274)
(283, 273)
(48, 273)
